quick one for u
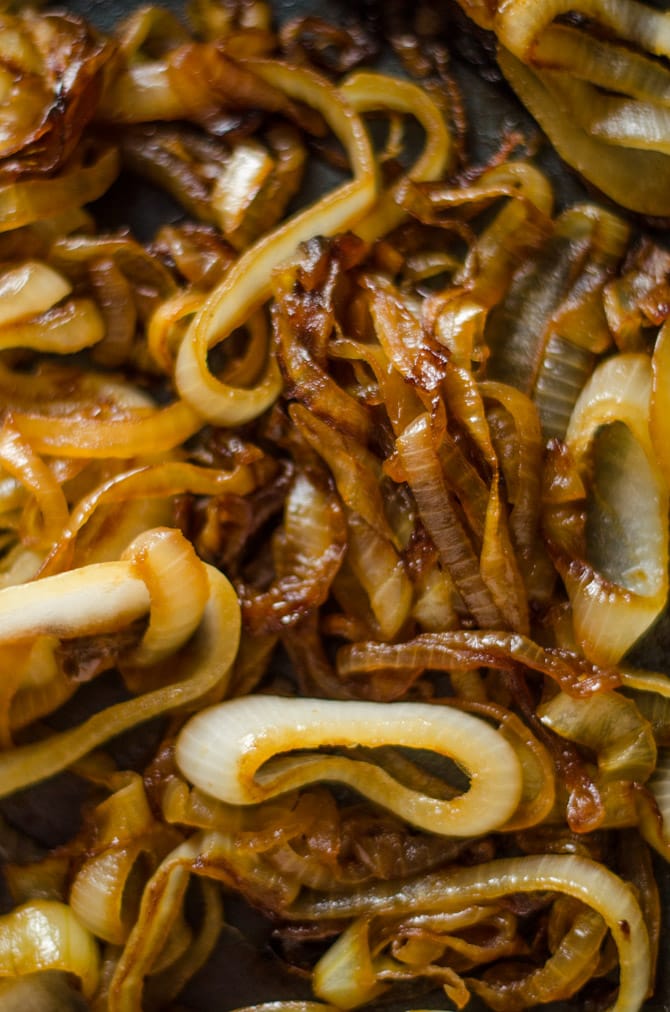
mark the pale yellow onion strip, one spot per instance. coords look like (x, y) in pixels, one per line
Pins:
(619, 391)
(518, 23)
(613, 67)
(639, 180)
(28, 290)
(19, 460)
(46, 935)
(659, 416)
(204, 666)
(69, 328)
(94, 599)
(576, 876)
(247, 285)
(615, 120)
(178, 591)
(25, 202)
(142, 93)
(367, 92)
(125, 831)
(150, 431)
(224, 751)
(646, 681)
(608, 621)
(96, 894)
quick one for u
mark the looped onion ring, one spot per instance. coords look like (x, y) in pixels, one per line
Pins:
(247, 285)
(233, 752)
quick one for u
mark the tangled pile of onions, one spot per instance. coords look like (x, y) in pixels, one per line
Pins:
(366, 501)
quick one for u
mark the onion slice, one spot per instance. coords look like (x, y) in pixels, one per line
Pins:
(571, 874)
(233, 751)
(46, 935)
(101, 598)
(247, 285)
(616, 596)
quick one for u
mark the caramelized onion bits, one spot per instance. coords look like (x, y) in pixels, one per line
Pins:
(234, 752)
(437, 507)
(625, 571)
(247, 284)
(51, 77)
(465, 650)
(105, 597)
(307, 559)
(139, 485)
(46, 935)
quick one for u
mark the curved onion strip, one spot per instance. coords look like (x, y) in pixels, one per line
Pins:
(248, 282)
(63, 330)
(289, 1006)
(346, 974)
(88, 601)
(659, 410)
(307, 560)
(18, 459)
(639, 180)
(569, 967)
(161, 328)
(420, 461)
(465, 650)
(24, 202)
(355, 470)
(164, 560)
(160, 907)
(608, 619)
(201, 667)
(29, 290)
(46, 935)
(615, 120)
(571, 874)
(174, 977)
(611, 727)
(141, 93)
(381, 573)
(151, 481)
(228, 751)
(150, 431)
(613, 67)
(646, 681)
(518, 23)
(104, 894)
(367, 92)
(525, 497)
(539, 789)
